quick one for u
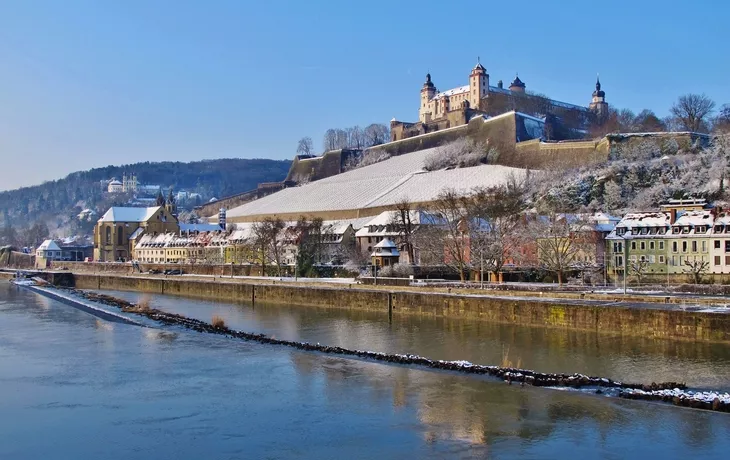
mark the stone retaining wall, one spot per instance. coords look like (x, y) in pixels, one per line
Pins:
(647, 322)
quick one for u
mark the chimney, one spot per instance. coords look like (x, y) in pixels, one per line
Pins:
(222, 218)
(672, 216)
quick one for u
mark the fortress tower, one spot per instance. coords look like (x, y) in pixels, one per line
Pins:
(428, 91)
(478, 85)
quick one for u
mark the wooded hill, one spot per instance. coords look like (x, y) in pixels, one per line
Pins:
(56, 204)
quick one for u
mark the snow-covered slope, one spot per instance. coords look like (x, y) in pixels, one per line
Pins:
(381, 184)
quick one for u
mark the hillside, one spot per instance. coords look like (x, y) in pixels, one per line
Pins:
(641, 176)
(56, 204)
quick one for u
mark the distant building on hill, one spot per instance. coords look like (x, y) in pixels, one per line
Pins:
(129, 184)
(456, 106)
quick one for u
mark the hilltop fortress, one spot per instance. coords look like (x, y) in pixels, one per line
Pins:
(457, 106)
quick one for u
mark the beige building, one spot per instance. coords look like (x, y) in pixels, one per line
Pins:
(120, 227)
(440, 110)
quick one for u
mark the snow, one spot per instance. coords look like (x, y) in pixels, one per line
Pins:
(452, 92)
(125, 214)
(703, 396)
(380, 184)
(136, 233)
(48, 245)
(694, 219)
(199, 227)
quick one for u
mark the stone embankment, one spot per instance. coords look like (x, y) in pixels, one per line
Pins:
(674, 392)
(614, 316)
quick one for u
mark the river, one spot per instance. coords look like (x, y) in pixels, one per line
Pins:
(74, 386)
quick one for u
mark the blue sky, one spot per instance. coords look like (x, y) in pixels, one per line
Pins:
(89, 83)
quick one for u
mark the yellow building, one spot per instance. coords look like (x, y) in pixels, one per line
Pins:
(118, 229)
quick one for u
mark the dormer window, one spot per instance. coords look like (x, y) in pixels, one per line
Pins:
(634, 231)
(676, 230)
(686, 229)
(620, 231)
(718, 228)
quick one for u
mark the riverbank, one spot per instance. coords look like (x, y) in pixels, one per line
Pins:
(646, 319)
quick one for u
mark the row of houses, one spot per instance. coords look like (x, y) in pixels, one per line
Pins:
(682, 238)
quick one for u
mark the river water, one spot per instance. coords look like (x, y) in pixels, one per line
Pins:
(77, 387)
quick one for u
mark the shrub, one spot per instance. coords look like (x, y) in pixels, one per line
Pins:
(462, 153)
(218, 322)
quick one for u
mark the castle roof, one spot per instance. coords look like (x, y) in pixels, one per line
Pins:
(479, 66)
(517, 82)
(452, 92)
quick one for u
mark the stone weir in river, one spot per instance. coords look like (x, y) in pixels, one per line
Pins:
(671, 392)
(653, 320)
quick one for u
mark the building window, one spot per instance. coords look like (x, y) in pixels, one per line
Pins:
(633, 245)
(684, 246)
(717, 244)
(704, 246)
(674, 246)
(642, 245)
(694, 246)
(661, 259)
(717, 260)
(651, 245)
(661, 245)
(727, 260)
(108, 235)
(652, 259)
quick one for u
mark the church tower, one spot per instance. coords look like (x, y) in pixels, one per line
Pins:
(598, 104)
(478, 85)
(428, 91)
(170, 204)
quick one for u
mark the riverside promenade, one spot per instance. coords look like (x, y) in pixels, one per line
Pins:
(683, 317)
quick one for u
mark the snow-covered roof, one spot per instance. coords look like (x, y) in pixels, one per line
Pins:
(115, 182)
(386, 248)
(199, 227)
(452, 92)
(136, 233)
(645, 219)
(126, 214)
(49, 245)
(386, 243)
(694, 218)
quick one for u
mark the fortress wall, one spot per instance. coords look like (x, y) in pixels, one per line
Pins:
(535, 154)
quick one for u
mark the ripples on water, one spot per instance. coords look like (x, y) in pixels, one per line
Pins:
(73, 386)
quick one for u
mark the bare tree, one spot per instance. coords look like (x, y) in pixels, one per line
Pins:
(306, 146)
(404, 225)
(496, 216)
(376, 134)
(647, 121)
(696, 269)
(692, 111)
(329, 142)
(559, 242)
(638, 268)
(267, 241)
(453, 233)
(721, 124)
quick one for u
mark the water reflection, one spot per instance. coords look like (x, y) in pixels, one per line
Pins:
(702, 365)
(183, 395)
